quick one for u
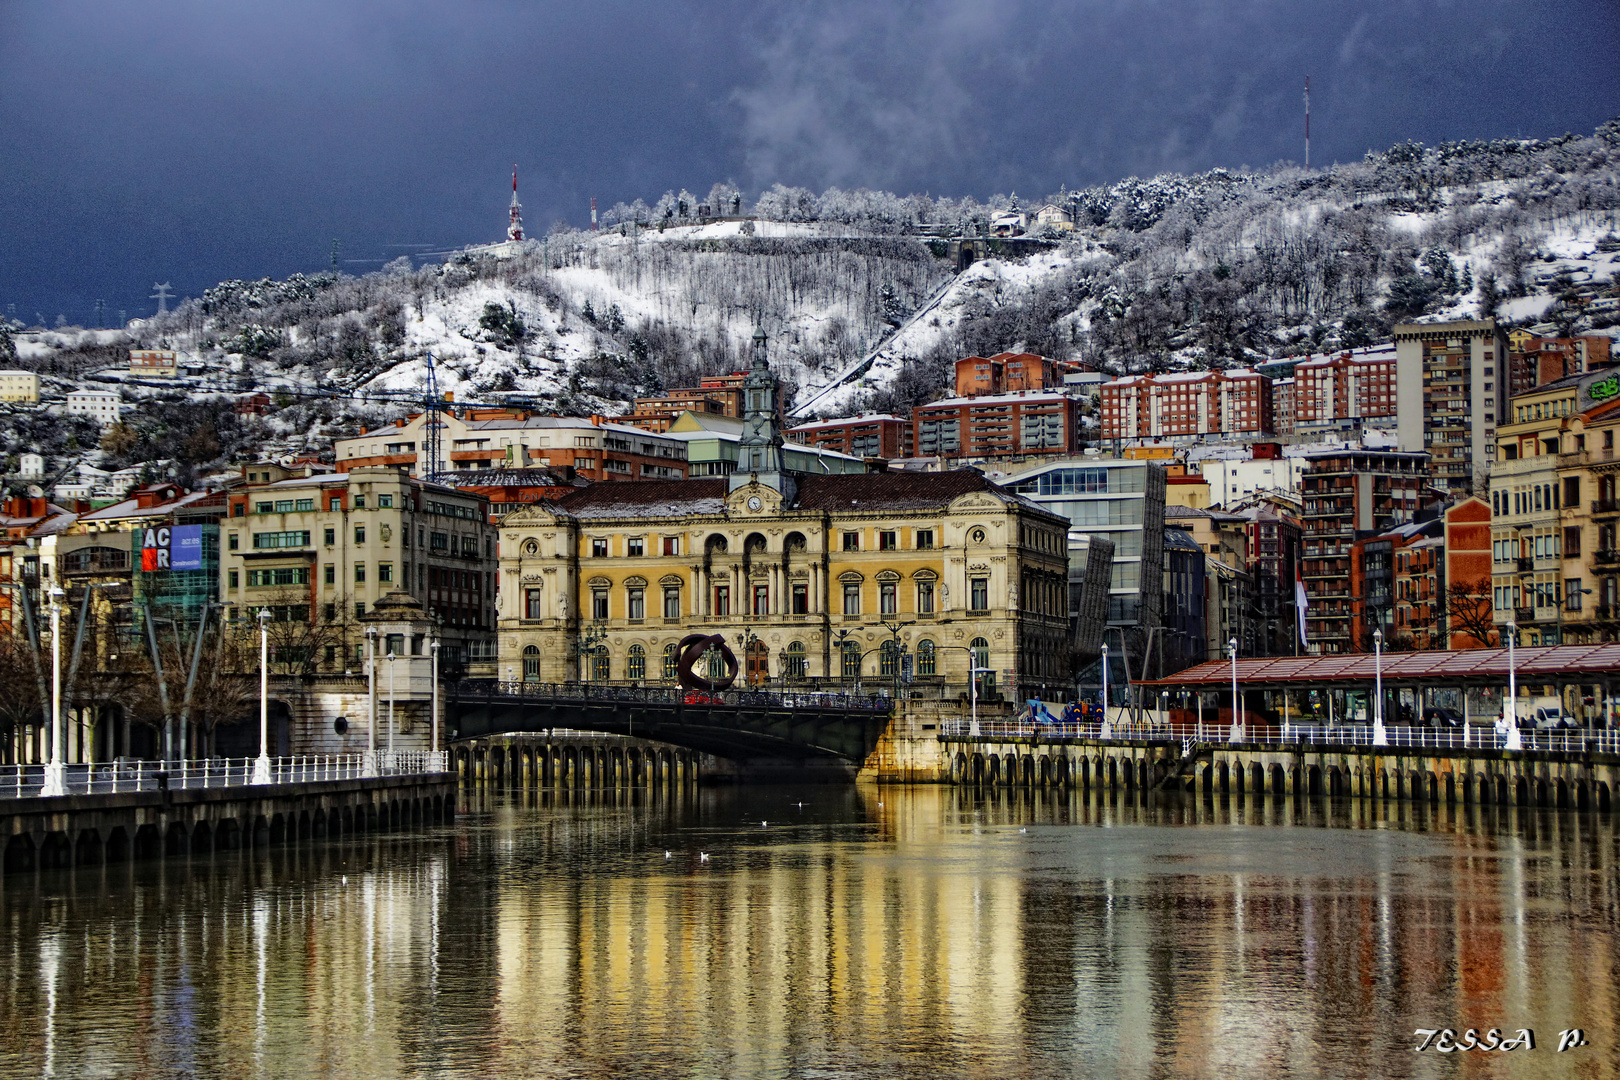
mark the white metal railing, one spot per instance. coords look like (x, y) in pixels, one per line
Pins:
(1479, 738)
(133, 774)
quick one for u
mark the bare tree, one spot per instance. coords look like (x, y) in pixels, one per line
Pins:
(1470, 610)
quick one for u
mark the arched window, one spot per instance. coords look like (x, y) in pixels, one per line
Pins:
(600, 668)
(850, 665)
(672, 658)
(886, 658)
(925, 658)
(983, 676)
(531, 663)
(797, 667)
(636, 667)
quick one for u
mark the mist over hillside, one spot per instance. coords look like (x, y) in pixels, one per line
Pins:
(864, 307)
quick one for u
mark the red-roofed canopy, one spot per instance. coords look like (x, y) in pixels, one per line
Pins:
(1457, 668)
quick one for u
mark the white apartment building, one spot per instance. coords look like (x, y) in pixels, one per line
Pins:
(102, 406)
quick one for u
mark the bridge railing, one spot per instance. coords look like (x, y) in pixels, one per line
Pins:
(125, 774)
(491, 689)
(1482, 738)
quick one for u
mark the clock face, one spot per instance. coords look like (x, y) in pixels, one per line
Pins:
(754, 503)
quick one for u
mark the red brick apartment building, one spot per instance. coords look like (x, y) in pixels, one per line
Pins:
(1468, 563)
(1349, 386)
(997, 426)
(1187, 405)
(1536, 361)
(870, 435)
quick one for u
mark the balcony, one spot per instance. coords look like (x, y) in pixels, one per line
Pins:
(1605, 506)
(1605, 557)
(1604, 611)
(1526, 566)
(1524, 615)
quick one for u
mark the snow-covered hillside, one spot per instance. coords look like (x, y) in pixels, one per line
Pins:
(864, 306)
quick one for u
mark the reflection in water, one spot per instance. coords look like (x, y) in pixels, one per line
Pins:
(839, 932)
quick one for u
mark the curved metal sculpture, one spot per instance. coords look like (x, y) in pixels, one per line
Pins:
(692, 649)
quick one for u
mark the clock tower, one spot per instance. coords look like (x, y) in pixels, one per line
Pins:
(759, 450)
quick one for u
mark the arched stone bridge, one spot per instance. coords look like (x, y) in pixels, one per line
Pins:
(742, 725)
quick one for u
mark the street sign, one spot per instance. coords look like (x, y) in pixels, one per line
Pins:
(905, 668)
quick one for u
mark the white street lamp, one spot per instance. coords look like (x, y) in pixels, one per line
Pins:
(1380, 736)
(55, 770)
(1510, 707)
(1106, 731)
(391, 658)
(433, 648)
(261, 766)
(368, 765)
(1236, 734)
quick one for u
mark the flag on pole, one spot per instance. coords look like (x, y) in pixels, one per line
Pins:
(1301, 603)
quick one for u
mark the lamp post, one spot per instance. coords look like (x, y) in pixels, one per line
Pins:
(261, 765)
(1105, 731)
(392, 656)
(1236, 733)
(55, 770)
(589, 642)
(433, 650)
(1380, 736)
(368, 765)
(1510, 707)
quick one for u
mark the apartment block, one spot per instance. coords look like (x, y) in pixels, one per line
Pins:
(1451, 391)
(481, 439)
(878, 435)
(1187, 406)
(102, 406)
(1346, 494)
(323, 549)
(1535, 361)
(1467, 571)
(19, 386)
(1006, 373)
(997, 426)
(154, 363)
(1345, 392)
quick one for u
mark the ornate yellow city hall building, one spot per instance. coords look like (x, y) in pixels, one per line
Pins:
(822, 579)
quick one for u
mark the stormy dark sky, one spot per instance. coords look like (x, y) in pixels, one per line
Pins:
(193, 141)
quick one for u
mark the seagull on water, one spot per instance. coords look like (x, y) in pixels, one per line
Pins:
(764, 824)
(703, 856)
(668, 854)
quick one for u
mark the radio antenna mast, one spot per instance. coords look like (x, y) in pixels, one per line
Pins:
(1307, 121)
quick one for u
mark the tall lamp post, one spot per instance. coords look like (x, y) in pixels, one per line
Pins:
(55, 770)
(391, 657)
(261, 765)
(368, 765)
(1380, 736)
(1510, 707)
(433, 720)
(1236, 734)
(1105, 731)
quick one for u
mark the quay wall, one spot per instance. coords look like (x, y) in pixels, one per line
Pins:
(66, 830)
(1453, 776)
(578, 760)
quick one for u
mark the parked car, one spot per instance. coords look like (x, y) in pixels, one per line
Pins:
(1437, 717)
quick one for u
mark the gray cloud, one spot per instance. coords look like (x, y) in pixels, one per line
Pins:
(198, 141)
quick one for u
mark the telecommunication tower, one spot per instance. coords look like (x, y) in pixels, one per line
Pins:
(593, 213)
(514, 230)
(1307, 121)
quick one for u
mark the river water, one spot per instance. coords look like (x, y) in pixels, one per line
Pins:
(834, 932)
